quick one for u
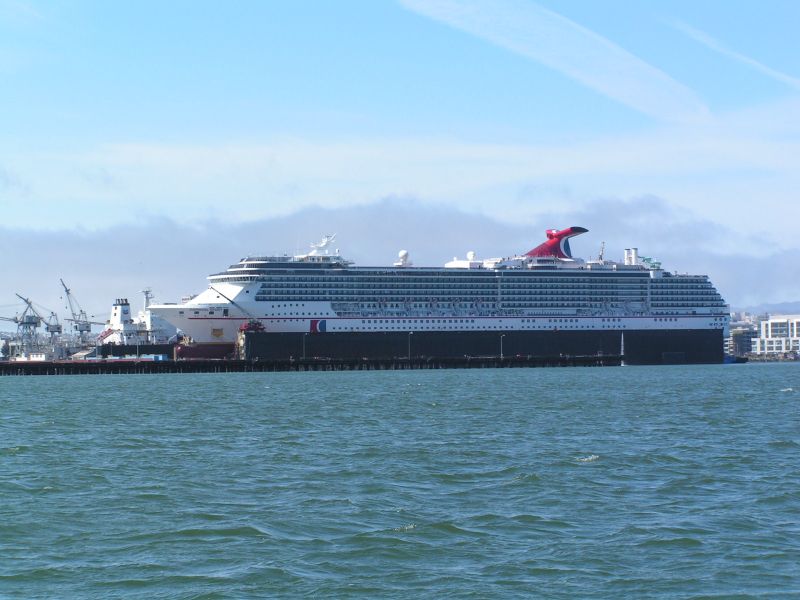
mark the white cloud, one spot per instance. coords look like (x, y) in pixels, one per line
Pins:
(583, 55)
(719, 171)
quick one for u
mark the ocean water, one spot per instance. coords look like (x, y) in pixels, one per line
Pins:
(628, 482)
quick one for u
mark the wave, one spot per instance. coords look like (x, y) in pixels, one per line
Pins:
(587, 459)
(685, 542)
(202, 532)
(524, 477)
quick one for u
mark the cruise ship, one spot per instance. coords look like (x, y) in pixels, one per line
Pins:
(544, 302)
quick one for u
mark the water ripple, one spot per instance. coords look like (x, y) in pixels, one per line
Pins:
(447, 484)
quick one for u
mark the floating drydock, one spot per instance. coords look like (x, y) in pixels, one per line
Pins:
(129, 367)
(640, 347)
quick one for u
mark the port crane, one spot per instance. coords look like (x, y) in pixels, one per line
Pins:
(52, 325)
(27, 324)
(51, 322)
(80, 322)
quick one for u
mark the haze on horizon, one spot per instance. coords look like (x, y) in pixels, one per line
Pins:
(151, 144)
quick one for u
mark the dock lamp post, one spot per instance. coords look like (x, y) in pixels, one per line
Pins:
(502, 335)
(410, 333)
(304, 345)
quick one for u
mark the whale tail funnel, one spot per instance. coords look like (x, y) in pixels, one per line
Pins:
(557, 244)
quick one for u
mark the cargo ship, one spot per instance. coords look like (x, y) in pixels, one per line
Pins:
(544, 302)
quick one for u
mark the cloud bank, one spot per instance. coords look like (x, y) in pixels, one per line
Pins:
(720, 172)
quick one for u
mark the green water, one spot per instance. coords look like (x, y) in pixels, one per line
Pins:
(630, 482)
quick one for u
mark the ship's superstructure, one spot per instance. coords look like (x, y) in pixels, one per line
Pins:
(123, 328)
(545, 290)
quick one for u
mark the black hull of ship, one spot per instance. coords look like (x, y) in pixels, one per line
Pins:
(641, 347)
(128, 350)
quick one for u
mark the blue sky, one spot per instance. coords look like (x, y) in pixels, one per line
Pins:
(201, 114)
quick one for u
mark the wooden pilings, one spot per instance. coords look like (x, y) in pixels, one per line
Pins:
(127, 367)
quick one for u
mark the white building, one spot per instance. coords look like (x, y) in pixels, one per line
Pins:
(778, 334)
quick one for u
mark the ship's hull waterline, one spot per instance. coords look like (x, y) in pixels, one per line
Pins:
(641, 347)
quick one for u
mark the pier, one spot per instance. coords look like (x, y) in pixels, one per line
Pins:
(130, 367)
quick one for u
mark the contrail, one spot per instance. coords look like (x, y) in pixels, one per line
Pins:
(717, 46)
(555, 41)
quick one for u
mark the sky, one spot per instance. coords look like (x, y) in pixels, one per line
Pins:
(149, 144)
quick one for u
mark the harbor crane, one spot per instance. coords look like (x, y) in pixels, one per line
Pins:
(27, 324)
(80, 322)
(51, 323)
